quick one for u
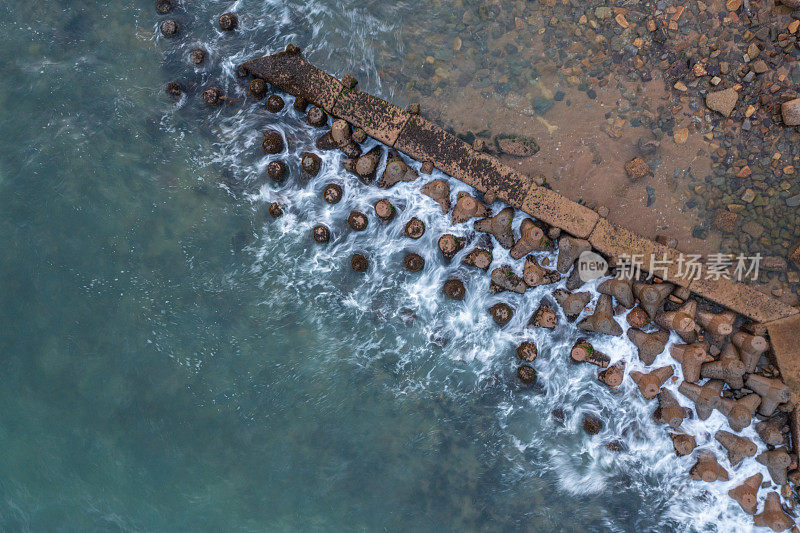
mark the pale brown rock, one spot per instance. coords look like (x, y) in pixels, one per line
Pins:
(450, 245)
(638, 318)
(791, 112)
(478, 258)
(544, 317)
(746, 494)
(729, 368)
(707, 468)
(532, 238)
(681, 321)
(773, 516)
(396, 171)
(499, 226)
(738, 448)
(637, 169)
(572, 304)
(602, 320)
(651, 295)
(505, 278)
(725, 221)
(723, 102)
(569, 249)
(669, 411)
(649, 345)
(534, 274)
(468, 207)
(583, 352)
(691, 357)
(750, 348)
(613, 375)
(683, 444)
(620, 289)
(706, 397)
(739, 412)
(771, 430)
(650, 384)
(716, 323)
(772, 392)
(777, 462)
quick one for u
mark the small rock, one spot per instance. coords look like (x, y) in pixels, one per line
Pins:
(795, 257)
(681, 135)
(637, 168)
(723, 102)
(516, 145)
(791, 112)
(725, 221)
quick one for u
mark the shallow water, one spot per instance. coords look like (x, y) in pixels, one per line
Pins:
(176, 360)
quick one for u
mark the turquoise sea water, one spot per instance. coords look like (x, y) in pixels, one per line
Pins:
(174, 360)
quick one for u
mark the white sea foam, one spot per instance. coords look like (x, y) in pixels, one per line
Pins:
(462, 331)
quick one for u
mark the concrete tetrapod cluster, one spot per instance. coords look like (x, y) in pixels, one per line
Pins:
(720, 355)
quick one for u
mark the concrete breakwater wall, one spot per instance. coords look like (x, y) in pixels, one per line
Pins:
(724, 349)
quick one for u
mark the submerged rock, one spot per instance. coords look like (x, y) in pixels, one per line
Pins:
(274, 103)
(169, 28)
(332, 193)
(527, 351)
(454, 289)
(228, 21)
(358, 263)
(276, 170)
(516, 145)
(592, 424)
(738, 448)
(502, 313)
(321, 234)
(197, 56)
(413, 262)
(526, 374)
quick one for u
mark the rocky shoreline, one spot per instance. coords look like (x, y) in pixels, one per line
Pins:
(719, 345)
(737, 354)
